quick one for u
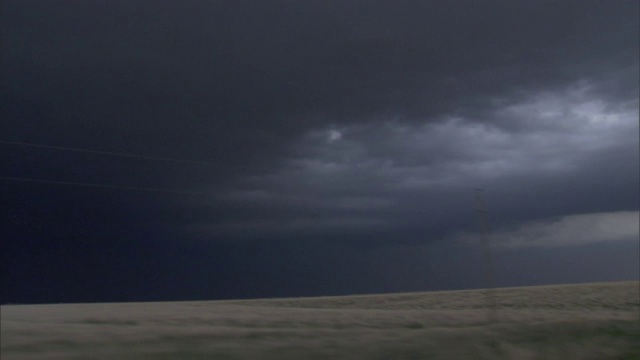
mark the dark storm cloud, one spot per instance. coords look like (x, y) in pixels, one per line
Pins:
(364, 123)
(214, 75)
(400, 86)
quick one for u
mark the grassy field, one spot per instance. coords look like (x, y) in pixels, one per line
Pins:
(590, 321)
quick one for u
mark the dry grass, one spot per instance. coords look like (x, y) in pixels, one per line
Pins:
(593, 321)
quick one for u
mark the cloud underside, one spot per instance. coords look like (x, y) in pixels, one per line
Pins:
(397, 175)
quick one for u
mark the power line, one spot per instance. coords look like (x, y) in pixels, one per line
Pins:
(128, 155)
(103, 186)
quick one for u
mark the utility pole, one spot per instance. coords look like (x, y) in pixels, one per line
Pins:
(483, 227)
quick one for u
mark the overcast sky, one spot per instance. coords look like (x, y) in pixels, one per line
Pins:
(324, 147)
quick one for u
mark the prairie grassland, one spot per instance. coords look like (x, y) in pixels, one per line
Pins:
(590, 321)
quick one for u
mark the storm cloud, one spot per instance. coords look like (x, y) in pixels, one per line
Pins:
(345, 129)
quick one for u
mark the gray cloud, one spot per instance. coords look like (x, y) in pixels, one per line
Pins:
(392, 174)
(357, 128)
(372, 111)
(213, 75)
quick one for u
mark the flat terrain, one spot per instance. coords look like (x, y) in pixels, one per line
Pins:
(591, 321)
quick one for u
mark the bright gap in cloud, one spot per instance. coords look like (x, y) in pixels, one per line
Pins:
(334, 135)
(572, 230)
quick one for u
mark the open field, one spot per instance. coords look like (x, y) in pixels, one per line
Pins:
(591, 321)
